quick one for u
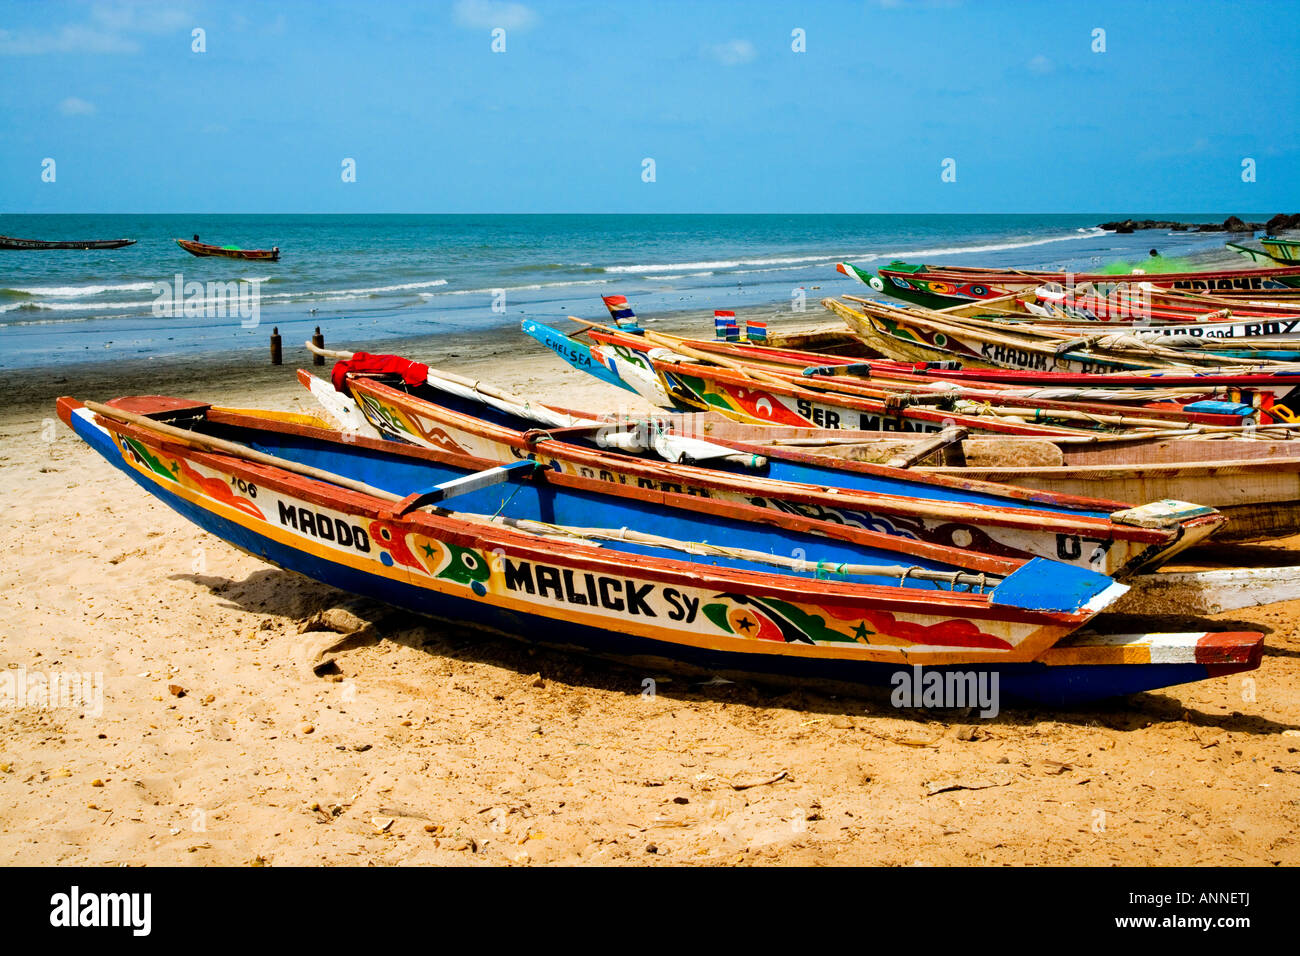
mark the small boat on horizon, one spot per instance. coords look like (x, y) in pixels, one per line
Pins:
(29, 245)
(203, 250)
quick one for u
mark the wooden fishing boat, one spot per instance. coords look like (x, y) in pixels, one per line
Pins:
(916, 334)
(1111, 408)
(1254, 483)
(522, 557)
(830, 395)
(202, 249)
(1120, 306)
(1254, 479)
(1286, 251)
(9, 242)
(1115, 303)
(939, 286)
(1282, 250)
(1152, 389)
(663, 378)
(1230, 336)
(441, 412)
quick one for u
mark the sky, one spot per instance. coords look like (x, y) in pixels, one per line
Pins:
(1032, 114)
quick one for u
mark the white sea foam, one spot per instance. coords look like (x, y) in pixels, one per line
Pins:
(797, 261)
(516, 288)
(829, 263)
(404, 287)
(721, 264)
(73, 306)
(78, 291)
(72, 291)
(997, 246)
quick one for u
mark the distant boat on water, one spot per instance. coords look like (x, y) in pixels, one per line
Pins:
(9, 242)
(202, 249)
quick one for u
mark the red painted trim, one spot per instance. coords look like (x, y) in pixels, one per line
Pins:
(1230, 647)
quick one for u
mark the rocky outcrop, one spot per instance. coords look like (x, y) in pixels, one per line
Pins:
(1282, 222)
(1231, 224)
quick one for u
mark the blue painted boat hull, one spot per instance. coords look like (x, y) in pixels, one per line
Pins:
(1040, 684)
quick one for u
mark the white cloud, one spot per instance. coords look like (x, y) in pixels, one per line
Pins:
(110, 29)
(65, 40)
(76, 106)
(733, 52)
(125, 16)
(490, 14)
(1040, 65)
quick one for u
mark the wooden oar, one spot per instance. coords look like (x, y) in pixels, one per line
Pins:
(922, 450)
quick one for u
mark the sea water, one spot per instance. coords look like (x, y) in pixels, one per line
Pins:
(363, 278)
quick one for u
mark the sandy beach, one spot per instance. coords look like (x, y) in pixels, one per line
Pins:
(221, 740)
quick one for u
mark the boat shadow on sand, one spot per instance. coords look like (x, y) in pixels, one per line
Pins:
(297, 602)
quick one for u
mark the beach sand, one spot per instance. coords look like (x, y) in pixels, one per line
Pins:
(219, 744)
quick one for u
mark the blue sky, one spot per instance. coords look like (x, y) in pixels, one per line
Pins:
(735, 120)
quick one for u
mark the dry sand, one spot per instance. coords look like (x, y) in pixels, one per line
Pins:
(434, 744)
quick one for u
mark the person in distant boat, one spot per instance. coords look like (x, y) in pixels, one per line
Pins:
(196, 237)
(1154, 254)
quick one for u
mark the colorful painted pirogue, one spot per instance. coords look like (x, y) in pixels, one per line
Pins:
(1124, 302)
(916, 334)
(36, 245)
(1255, 479)
(939, 286)
(1272, 335)
(1254, 482)
(441, 413)
(523, 559)
(203, 250)
(787, 397)
(781, 387)
(1171, 394)
(1126, 307)
(1286, 251)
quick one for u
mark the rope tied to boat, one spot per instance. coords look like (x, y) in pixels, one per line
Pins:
(829, 569)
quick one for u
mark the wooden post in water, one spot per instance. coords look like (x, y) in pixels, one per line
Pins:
(276, 357)
(318, 340)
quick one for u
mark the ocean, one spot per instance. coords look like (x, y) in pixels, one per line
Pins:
(363, 278)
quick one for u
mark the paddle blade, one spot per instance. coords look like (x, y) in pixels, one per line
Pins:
(1044, 585)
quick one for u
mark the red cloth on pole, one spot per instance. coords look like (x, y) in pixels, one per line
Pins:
(413, 373)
